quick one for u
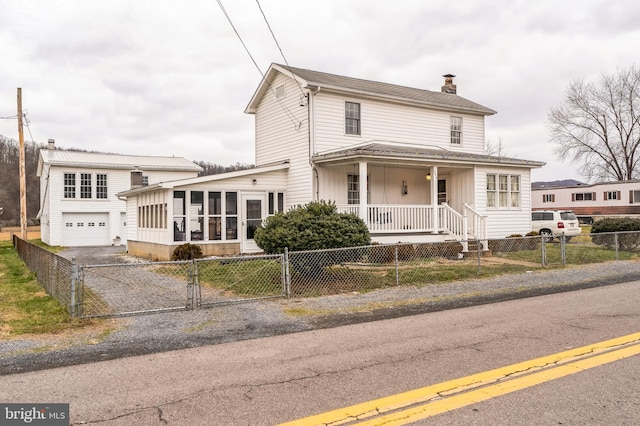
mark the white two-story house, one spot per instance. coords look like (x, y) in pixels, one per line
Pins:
(410, 162)
(79, 205)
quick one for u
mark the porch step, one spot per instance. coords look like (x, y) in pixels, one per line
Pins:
(472, 247)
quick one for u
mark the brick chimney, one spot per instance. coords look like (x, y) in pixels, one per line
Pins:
(448, 87)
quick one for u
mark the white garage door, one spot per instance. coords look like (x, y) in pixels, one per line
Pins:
(85, 229)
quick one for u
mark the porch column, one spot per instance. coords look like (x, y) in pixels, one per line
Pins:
(362, 182)
(434, 198)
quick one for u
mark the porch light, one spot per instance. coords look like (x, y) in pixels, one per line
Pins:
(428, 176)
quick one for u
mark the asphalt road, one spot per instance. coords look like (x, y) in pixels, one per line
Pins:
(275, 379)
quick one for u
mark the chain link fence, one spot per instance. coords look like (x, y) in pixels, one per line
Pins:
(132, 288)
(54, 273)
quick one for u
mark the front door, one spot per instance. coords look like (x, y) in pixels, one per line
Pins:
(252, 216)
(442, 191)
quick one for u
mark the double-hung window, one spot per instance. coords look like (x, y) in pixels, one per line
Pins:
(456, 130)
(352, 118)
(69, 185)
(85, 185)
(101, 186)
(503, 190)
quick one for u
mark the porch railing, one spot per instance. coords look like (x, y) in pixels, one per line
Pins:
(385, 218)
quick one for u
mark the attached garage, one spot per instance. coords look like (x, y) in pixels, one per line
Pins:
(85, 229)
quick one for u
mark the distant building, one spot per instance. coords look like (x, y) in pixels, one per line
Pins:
(589, 202)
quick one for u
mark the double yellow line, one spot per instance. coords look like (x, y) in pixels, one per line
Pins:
(429, 401)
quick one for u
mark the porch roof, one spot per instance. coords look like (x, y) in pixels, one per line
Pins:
(382, 151)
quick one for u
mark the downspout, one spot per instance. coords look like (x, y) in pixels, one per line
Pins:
(312, 137)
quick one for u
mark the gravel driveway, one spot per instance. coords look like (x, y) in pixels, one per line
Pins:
(175, 330)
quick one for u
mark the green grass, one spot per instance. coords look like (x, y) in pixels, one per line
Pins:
(25, 308)
(47, 247)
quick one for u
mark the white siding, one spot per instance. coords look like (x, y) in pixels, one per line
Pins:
(564, 196)
(383, 121)
(117, 181)
(282, 133)
(503, 222)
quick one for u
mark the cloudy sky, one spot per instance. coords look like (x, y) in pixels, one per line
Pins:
(171, 78)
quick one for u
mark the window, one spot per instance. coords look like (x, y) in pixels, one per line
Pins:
(503, 190)
(583, 196)
(101, 186)
(85, 185)
(634, 197)
(351, 118)
(196, 215)
(280, 92)
(69, 185)
(491, 190)
(145, 180)
(275, 202)
(456, 130)
(612, 195)
(179, 232)
(215, 215)
(548, 198)
(353, 189)
(231, 210)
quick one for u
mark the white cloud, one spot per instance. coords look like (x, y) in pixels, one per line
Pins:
(173, 79)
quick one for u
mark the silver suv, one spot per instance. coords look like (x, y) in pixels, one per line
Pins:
(555, 223)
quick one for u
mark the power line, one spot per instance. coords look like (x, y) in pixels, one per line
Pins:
(239, 38)
(289, 114)
(10, 117)
(279, 48)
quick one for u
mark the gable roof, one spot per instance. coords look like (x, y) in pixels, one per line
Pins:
(382, 151)
(331, 82)
(92, 160)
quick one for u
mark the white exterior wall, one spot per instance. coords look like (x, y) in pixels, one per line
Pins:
(274, 181)
(503, 222)
(45, 216)
(384, 121)
(117, 181)
(563, 196)
(282, 133)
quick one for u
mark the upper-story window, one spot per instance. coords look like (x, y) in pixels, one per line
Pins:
(69, 185)
(145, 180)
(101, 185)
(352, 118)
(280, 92)
(456, 130)
(85, 185)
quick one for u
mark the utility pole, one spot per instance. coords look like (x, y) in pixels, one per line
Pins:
(23, 182)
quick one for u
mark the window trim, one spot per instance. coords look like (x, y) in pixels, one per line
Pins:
(352, 125)
(456, 130)
(500, 192)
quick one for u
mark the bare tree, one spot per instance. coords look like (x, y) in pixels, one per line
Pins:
(598, 126)
(496, 150)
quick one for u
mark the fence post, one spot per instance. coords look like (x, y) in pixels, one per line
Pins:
(397, 266)
(563, 250)
(615, 241)
(479, 257)
(74, 288)
(543, 250)
(287, 276)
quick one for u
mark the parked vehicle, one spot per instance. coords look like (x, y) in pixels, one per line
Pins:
(555, 223)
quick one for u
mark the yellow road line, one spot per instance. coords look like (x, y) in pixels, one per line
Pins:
(502, 388)
(437, 391)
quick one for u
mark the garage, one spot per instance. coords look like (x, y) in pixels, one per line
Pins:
(85, 229)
